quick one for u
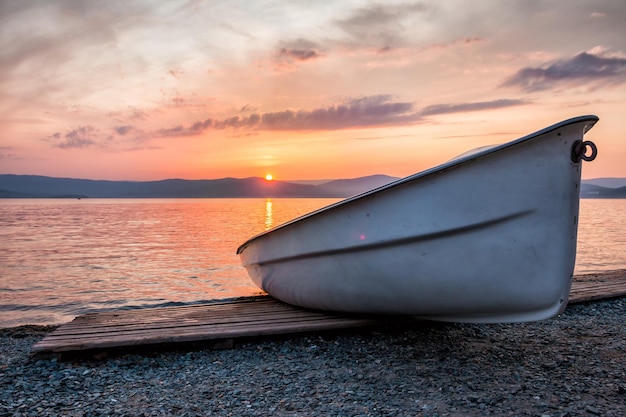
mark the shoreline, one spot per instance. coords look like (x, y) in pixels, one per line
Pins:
(603, 275)
(571, 365)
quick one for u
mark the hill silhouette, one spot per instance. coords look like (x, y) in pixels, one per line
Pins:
(36, 186)
(588, 190)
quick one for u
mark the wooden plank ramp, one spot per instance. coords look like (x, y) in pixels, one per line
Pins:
(599, 286)
(218, 324)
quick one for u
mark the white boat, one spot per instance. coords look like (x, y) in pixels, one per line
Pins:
(487, 237)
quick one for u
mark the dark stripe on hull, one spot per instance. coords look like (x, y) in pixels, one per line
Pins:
(398, 242)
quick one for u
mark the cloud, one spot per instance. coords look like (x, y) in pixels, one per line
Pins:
(299, 54)
(360, 112)
(290, 54)
(176, 72)
(89, 136)
(381, 14)
(371, 111)
(122, 130)
(173, 131)
(468, 107)
(41, 35)
(130, 114)
(247, 108)
(594, 68)
(354, 113)
(455, 43)
(382, 26)
(127, 135)
(81, 137)
(51, 52)
(193, 130)
(237, 122)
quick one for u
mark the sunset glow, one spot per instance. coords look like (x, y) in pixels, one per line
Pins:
(269, 177)
(148, 90)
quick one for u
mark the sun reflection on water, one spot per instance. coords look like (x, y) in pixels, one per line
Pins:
(269, 214)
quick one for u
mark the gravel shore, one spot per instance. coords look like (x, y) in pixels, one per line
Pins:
(573, 365)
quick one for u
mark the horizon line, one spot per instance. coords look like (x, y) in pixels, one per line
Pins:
(204, 179)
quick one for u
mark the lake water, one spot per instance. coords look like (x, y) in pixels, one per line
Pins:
(62, 258)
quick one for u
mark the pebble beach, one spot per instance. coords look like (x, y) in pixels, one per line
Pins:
(572, 365)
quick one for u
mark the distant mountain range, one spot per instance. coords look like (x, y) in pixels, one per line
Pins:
(607, 182)
(589, 189)
(35, 186)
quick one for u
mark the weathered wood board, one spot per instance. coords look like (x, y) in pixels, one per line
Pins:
(244, 317)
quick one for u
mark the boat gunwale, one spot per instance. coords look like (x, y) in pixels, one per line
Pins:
(592, 119)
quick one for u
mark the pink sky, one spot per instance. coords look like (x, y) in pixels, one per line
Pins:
(148, 90)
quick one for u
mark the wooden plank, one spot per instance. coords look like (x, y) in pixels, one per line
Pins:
(151, 326)
(180, 335)
(243, 317)
(242, 327)
(599, 286)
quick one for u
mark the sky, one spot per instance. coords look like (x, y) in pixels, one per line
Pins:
(303, 90)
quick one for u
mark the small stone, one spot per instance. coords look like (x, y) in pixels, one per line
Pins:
(592, 410)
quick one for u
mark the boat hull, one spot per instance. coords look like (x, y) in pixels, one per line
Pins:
(490, 237)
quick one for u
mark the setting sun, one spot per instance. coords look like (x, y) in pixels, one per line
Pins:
(269, 177)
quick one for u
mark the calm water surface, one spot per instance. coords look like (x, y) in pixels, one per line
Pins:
(61, 258)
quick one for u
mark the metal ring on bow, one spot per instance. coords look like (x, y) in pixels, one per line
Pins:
(579, 151)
